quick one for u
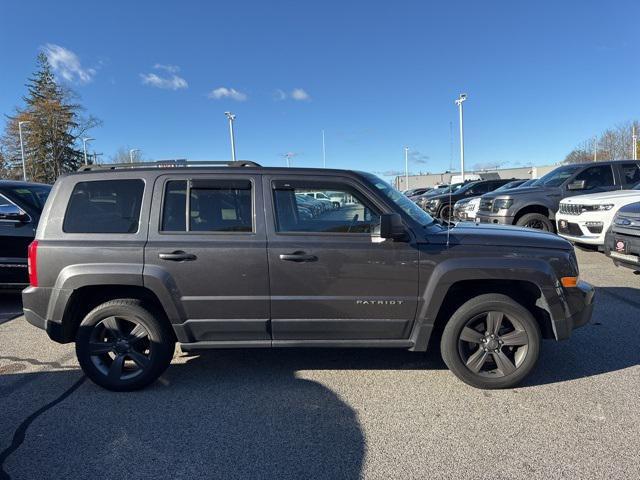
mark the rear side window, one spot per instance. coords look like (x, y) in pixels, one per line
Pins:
(104, 206)
(214, 206)
(596, 177)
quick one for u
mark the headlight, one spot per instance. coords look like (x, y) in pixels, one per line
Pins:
(606, 206)
(502, 204)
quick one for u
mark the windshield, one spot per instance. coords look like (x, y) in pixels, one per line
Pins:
(463, 187)
(557, 177)
(34, 196)
(509, 186)
(407, 206)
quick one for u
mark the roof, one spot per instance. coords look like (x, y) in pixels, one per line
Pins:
(19, 183)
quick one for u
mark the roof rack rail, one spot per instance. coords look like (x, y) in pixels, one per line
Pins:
(169, 164)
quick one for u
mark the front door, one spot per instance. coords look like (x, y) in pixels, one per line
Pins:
(207, 238)
(330, 278)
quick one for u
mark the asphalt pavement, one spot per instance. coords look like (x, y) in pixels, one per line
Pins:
(332, 413)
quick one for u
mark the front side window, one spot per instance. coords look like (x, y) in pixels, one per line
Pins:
(104, 206)
(630, 174)
(322, 208)
(214, 206)
(596, 177)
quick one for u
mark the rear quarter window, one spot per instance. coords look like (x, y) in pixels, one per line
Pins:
(104, 206)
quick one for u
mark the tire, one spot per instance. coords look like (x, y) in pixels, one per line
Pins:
(536, 221)
(463, 343)
(122, 345)
(445, 212)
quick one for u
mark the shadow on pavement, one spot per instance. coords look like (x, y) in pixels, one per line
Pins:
(607, 344)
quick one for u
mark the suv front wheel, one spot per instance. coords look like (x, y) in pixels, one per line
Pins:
(122, 346)
(536, 221)
(491, 342)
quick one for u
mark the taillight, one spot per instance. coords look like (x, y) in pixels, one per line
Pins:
(32, 263)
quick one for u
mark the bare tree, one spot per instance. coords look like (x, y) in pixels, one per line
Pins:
(613, 144)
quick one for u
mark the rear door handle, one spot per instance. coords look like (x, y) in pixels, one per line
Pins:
(177, 256)
(298, 257)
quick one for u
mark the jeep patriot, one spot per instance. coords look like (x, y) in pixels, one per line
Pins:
(130, 259)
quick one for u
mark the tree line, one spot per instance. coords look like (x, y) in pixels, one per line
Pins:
(613, 144)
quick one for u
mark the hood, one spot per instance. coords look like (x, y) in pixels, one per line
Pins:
(520, 191)
(632, 210)
(493, 235)
(618, 196)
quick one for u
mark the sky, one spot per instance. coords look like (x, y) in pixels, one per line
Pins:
(541, 77)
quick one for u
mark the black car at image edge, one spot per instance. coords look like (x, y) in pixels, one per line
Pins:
(622, 242)
(130, 259)
(21, 204)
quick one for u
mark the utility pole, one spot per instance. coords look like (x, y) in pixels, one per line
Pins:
(84, 147)
(461, 98)
(595, 149)
(24, 165)
(231, 118)
(324, 152)
(406, 168)
(95, 157)
(634, 138)
(131, 152)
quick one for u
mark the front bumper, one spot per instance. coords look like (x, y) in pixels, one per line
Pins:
(576, 229)
(485, 217)
(630, 257)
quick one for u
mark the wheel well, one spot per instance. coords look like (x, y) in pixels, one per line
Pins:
(531, 209)
(85, 299)
(525, 293)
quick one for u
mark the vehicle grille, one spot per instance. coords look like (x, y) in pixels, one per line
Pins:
(486, 205)
(571, 208)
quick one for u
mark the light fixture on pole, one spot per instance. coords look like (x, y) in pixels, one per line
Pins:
(288, 156)
(131, 152)
(84, 147)
(231, 118)
(24, 165)
(406, 168)
(324, 152)
(461, 98)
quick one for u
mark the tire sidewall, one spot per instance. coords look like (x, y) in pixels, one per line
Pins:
(161, 350)
(473, 307)
(537, 216)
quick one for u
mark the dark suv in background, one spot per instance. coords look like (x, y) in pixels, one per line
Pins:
(536, 206)
(21, 204)
(622, 242)
(128, 260)
(441, 206)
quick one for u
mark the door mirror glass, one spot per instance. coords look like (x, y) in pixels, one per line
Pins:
(576, 185)
(391, 226)
(12, 213)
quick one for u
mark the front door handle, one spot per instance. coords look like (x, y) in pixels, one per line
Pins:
(177, 256)
(298, 257)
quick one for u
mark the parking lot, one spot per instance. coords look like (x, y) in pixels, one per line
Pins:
(332, 413)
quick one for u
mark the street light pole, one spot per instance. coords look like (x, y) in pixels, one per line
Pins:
(595, 149)
(406, 168)
(634, 138)
(231, 118)
(324, 152)
(461, 98)
(84, 147)
(131, 152)
(24, 165)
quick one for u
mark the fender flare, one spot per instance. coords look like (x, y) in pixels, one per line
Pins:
(451, 271)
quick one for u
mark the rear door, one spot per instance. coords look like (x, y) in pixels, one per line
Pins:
(629, 174)
(207, 235)
(330, 279)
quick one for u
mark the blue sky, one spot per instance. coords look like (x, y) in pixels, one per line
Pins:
(541, 76)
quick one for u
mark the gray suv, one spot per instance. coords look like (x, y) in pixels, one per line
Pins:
(535, 206)
(128, 260)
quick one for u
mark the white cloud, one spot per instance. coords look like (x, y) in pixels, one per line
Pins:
(169, 82)
(67, 64)
(299, 94)
(232, 93)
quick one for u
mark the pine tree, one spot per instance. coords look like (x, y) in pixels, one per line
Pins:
(52, 136)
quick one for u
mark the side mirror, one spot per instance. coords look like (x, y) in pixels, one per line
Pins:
(391, 226)
(576, 185)
(12, 213)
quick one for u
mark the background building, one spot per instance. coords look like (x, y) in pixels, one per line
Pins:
(431, 179)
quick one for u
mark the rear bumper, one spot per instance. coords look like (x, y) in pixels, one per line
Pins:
(35, 302)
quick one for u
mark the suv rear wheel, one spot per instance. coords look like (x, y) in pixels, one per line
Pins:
(122, 346)
(537, 221)
(491, 342)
